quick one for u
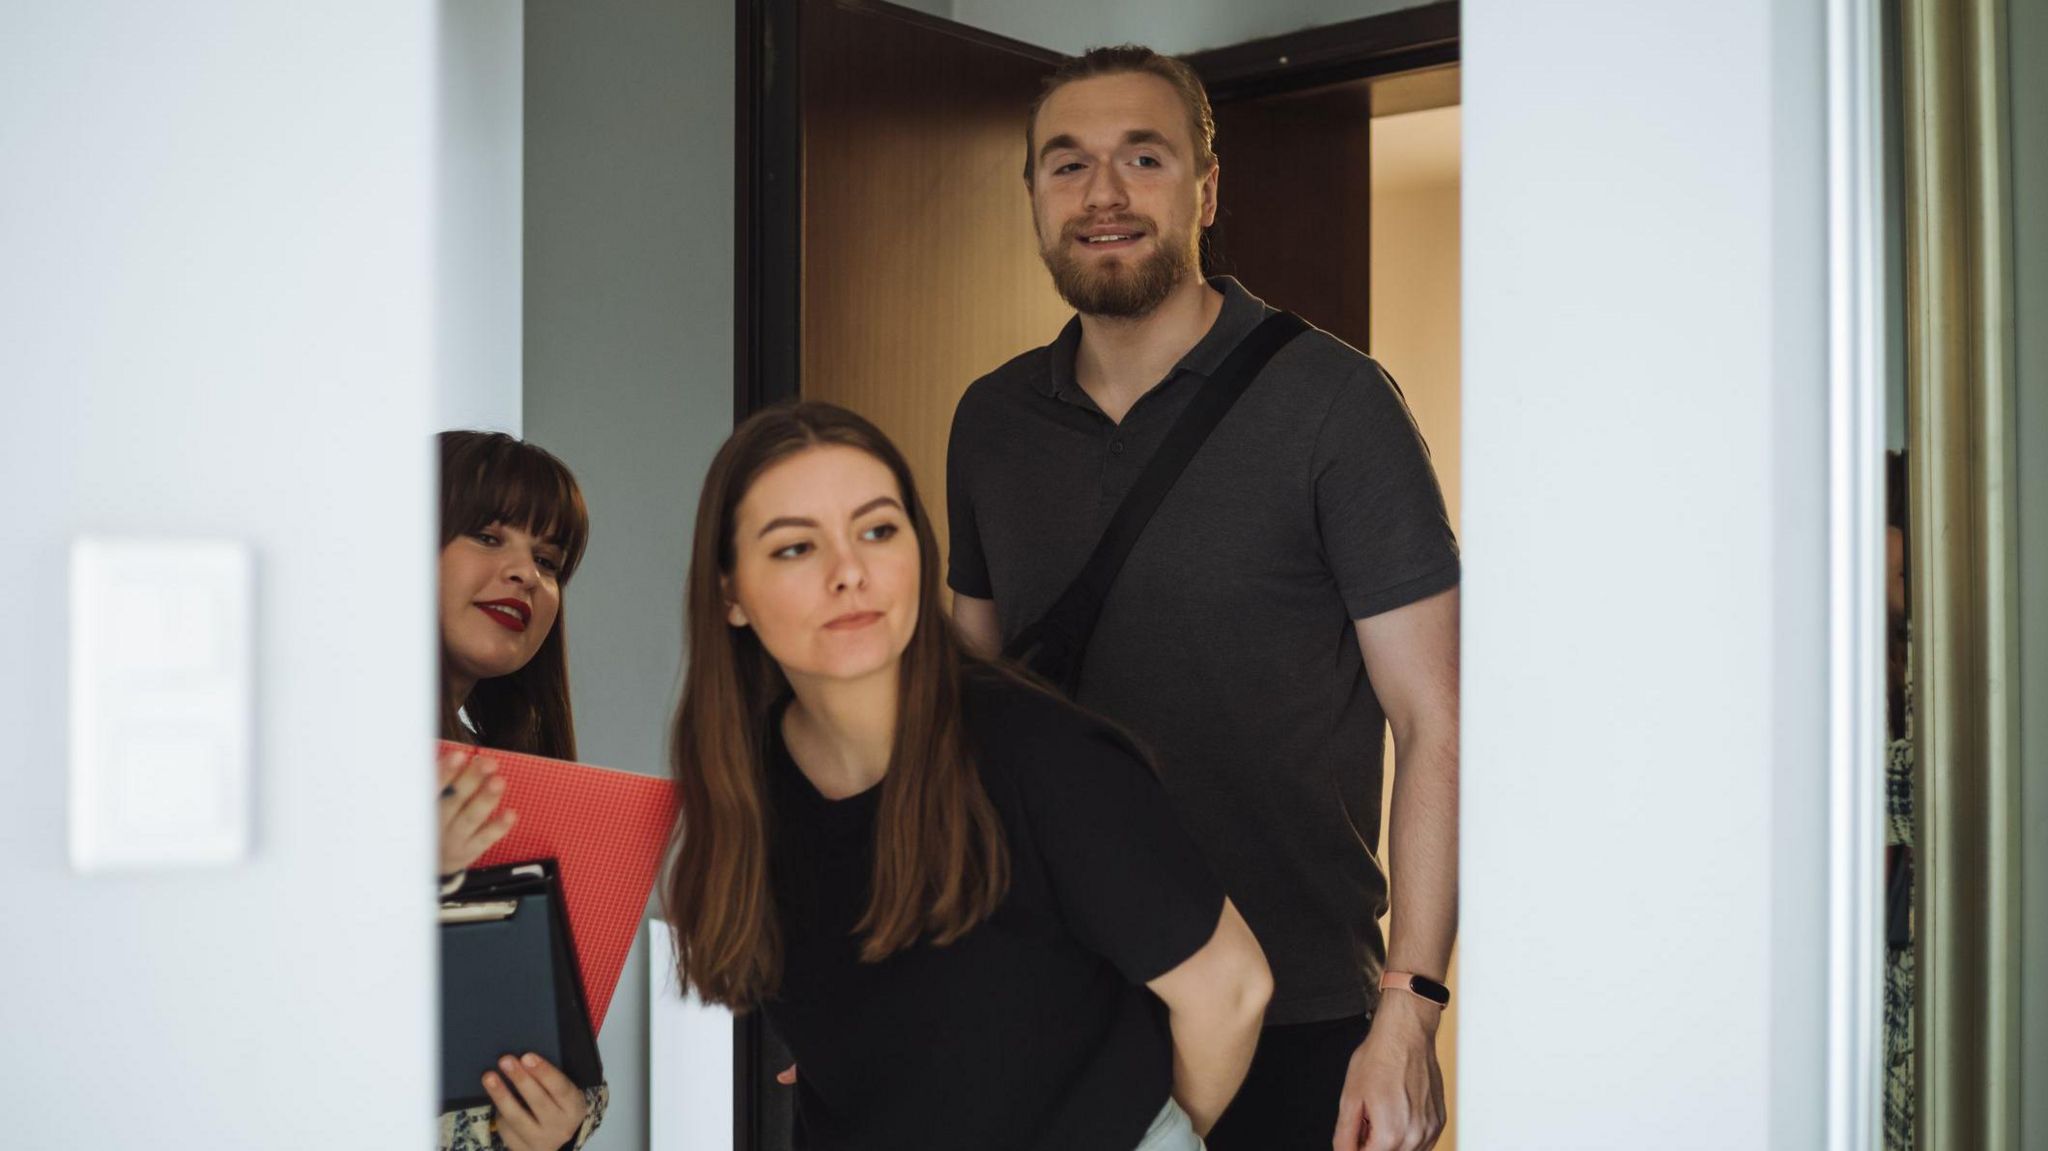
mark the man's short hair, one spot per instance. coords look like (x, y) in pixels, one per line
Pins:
(1121, 60)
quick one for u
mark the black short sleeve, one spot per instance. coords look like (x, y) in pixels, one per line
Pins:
(1129, 881)
(1033, 1028)
(967, 567)
(1379, 511)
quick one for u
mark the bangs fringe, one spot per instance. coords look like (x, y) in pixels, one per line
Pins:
(490, 477)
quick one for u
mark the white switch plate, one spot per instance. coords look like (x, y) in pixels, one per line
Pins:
(161, 651)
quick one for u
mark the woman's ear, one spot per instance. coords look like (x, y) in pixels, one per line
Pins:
(734, 613)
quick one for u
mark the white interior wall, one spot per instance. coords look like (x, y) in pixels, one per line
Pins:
(216, 320)
(479, 186)
(628, 330)
(1644, 822)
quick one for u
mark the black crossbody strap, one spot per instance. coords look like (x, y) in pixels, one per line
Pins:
(1054, 646)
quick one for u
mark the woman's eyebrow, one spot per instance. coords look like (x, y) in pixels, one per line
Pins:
(807, 522)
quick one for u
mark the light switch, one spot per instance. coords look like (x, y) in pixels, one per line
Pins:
(161, 698)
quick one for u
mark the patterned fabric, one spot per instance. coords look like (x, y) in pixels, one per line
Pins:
(474, 1129)
(1898, 968)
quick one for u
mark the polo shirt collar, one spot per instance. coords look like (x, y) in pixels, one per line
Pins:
(1241, 312)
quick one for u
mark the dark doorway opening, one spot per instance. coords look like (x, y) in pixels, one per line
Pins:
(864, 127)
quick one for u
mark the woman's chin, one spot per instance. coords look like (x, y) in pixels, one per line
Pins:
(480, 666)
(849, 666)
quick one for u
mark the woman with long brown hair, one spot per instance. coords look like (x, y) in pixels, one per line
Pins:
(963, 903)
(513, 529)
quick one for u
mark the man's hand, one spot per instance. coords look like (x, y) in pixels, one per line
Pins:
(538, 1108)
(1394, 1091)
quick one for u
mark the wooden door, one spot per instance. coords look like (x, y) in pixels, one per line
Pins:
(920, 265)
(1294, 220)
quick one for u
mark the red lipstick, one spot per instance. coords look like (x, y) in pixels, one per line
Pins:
(510, 614)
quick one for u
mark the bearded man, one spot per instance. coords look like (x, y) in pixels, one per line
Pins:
(1294, 594)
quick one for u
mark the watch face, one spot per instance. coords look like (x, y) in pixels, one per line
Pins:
(1430, 989)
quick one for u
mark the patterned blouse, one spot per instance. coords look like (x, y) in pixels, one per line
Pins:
(1899, 1096)
(476, 1128)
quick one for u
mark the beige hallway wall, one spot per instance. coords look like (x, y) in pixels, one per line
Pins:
(1415, 175)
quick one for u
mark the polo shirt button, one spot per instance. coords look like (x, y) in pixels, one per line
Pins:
(1116, 447)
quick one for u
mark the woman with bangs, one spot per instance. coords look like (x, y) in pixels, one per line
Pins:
(513, 528)
(964, 903)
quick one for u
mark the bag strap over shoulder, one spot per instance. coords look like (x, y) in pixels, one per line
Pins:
(1055, 645)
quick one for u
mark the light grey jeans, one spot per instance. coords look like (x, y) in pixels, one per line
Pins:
(1171, 1131)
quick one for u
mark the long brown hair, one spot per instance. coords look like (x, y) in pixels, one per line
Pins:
(487, 478)
(940, 863)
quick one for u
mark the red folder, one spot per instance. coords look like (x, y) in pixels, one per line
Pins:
(608, 830)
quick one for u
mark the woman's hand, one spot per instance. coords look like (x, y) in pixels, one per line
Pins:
(470, 791)
(540, 1109)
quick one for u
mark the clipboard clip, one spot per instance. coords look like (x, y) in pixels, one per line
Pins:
(479, 911)
(489, 910)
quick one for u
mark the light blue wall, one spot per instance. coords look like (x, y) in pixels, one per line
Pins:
(480, 144)
(629, 322)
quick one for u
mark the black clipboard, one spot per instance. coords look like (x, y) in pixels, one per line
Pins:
(509, 982)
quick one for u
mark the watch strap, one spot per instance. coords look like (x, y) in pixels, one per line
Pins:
(1420, 986)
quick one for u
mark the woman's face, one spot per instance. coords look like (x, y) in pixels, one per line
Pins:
(825, 565)
(499, 600)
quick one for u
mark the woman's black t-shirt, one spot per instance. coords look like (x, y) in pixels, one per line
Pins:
(1034, 1030)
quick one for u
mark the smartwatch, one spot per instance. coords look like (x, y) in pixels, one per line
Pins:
(1421, 985)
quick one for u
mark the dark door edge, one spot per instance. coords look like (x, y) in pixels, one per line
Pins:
(1400, 41)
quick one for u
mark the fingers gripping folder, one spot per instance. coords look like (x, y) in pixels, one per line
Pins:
(534, 943)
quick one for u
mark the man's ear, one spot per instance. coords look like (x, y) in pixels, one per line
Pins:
(1209, 195)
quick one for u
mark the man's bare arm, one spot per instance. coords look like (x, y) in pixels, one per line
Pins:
(1393, 1094)
(1411, 655)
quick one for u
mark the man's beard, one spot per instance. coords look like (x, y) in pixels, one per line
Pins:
(1117, 289)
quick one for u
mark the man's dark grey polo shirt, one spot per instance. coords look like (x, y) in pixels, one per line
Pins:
(1227, 642)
